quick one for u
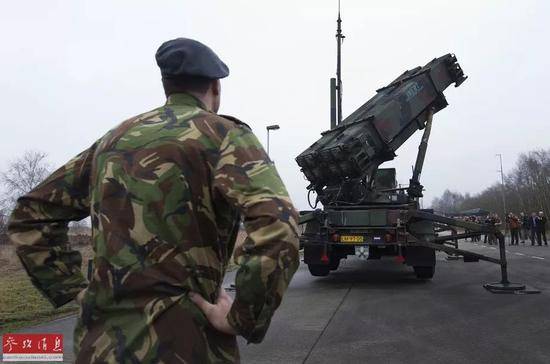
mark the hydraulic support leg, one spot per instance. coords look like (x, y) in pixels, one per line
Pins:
(504, 286)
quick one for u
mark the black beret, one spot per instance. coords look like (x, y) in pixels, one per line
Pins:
(187, 57)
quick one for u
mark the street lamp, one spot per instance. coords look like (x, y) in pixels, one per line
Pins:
(503, 192)
(269, 128)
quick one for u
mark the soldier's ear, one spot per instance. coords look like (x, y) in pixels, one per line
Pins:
(216, 87)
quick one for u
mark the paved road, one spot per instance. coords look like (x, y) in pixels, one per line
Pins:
(377, 312)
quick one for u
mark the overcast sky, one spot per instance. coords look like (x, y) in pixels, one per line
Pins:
(71, 70)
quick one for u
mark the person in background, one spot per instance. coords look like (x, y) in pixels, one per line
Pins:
(533, 222)
(507, 222)
(541, 229)
(477, 220)
(466, 231)
(494, 220)
(474, 220)
(524, 227)
(515, 226)
(469, 219)
(487, 238)
(497, 222)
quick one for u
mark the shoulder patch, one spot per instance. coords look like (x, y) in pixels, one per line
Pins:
(235, 120)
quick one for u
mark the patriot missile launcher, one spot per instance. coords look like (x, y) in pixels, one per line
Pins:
(342, 164)
(364, 213)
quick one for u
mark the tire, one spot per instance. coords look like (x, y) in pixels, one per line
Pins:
(318, 270)
(424, 272)
(334, 264)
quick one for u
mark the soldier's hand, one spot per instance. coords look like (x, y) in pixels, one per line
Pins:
(216, 313)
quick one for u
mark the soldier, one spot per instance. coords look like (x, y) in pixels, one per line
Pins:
(165, 191)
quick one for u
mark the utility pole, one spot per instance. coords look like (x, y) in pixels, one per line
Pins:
(503, 192)
(269, 128)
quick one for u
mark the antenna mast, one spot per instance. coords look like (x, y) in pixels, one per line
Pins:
(339, 39)
(336, 83)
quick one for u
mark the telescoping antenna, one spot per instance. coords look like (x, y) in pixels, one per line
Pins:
(336, 83)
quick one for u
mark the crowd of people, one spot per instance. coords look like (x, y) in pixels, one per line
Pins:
(522, 228)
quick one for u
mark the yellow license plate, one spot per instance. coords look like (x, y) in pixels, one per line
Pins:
(352, 239)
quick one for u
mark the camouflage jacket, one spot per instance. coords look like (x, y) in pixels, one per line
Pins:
(164, 191)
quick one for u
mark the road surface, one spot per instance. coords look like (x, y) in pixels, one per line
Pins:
(378, 312)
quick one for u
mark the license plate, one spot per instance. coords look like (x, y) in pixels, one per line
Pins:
(352, 238)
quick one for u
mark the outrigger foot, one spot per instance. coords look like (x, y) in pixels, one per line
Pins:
(515, 288)
(507, 287)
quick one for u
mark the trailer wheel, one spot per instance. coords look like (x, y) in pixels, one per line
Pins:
(318, 270)
(424, 272)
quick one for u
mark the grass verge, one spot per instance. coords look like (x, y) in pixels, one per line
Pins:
(22, 305)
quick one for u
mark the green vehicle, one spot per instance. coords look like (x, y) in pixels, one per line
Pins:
(368, 231)
(363, 212)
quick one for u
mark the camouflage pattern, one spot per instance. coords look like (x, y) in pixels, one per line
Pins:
(165, 191)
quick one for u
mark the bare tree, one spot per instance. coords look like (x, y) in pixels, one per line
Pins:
(449, 203)
(22, 175)
(4, 211)
(3, 224)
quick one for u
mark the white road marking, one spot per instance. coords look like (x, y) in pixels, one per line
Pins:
(508, 251)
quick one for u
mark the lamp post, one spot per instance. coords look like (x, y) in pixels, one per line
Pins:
(503, 192)
(269, 128)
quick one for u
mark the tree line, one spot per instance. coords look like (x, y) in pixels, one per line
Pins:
(526, 189)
